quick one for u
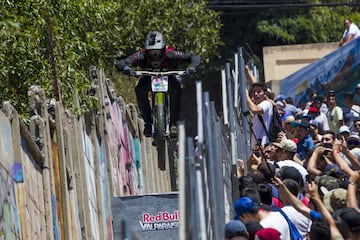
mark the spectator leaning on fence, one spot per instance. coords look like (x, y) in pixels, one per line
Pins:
(351, 32)
(259, 105)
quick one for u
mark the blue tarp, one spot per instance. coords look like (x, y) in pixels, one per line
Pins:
(338, 71)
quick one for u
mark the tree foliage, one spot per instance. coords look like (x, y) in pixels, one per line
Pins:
(88, 33)
(255, 28)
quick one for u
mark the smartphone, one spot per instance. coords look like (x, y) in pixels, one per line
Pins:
(309, 178)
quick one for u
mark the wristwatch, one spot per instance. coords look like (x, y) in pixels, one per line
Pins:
(352, 183)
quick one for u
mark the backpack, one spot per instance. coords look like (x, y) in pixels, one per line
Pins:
(275, 125)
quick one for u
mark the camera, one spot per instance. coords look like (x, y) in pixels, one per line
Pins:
(309, 178)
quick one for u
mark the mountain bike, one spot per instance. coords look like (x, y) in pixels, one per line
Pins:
(160, 107)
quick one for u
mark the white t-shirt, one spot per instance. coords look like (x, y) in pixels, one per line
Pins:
(277, 221)
(333, 117)
(353, 29)
(301, 222)
(355, 152)
(258, 128)
(322, 122)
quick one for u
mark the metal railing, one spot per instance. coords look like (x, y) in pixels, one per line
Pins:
(208, 164)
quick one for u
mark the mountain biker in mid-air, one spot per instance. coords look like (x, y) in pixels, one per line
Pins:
(156, 55)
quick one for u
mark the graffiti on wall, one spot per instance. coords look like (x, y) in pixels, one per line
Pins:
(104, 188)
(336, 71)
(91, 185)
(9, 222)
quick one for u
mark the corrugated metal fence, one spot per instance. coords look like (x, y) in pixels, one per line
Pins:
(208, 164)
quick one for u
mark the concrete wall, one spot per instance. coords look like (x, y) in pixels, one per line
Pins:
(281, 61)
(59, 173)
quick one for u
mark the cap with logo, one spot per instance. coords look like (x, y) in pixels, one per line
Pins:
(244, 205)
(335, 199)
(286, 144)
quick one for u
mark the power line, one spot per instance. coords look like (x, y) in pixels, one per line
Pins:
(227, 5)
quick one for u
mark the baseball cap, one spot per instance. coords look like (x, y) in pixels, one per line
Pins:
(354, 136)
(244, 205)
(331, 93)
(349, 93)
(280, 104)
(288, 172)
(280, 97)
(267, 234)
(302, 123)
(331, 169)
(286, 144)
(252, 227)
(335, 199)
(344, 129)
(353, 140)
(318, 98)
(234, 228)
(350, 216)
(289, 119)
(328, 182)
(304, 115)
(313, 109)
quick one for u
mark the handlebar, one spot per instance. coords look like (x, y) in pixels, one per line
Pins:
(165, 73)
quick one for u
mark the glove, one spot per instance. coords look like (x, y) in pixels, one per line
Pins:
(128, 71)
(190, 70)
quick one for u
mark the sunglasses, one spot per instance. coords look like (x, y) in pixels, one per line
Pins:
(357, 125)
(353, 142)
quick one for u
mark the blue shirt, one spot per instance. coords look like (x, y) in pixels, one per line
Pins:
(304, 146)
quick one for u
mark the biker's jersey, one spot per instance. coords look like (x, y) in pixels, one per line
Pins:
(171, 60)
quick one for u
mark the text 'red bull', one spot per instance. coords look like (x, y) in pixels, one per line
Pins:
(160, 221)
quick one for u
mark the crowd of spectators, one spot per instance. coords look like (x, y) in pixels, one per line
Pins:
(304, 185)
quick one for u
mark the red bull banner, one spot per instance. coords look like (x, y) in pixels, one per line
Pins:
(148, 216)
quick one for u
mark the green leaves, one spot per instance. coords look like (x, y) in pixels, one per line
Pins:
(253, 29)
(89, 33)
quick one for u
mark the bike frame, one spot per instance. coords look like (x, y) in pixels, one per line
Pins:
(160, 110)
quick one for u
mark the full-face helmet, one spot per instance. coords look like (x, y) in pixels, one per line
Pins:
(155, 44)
